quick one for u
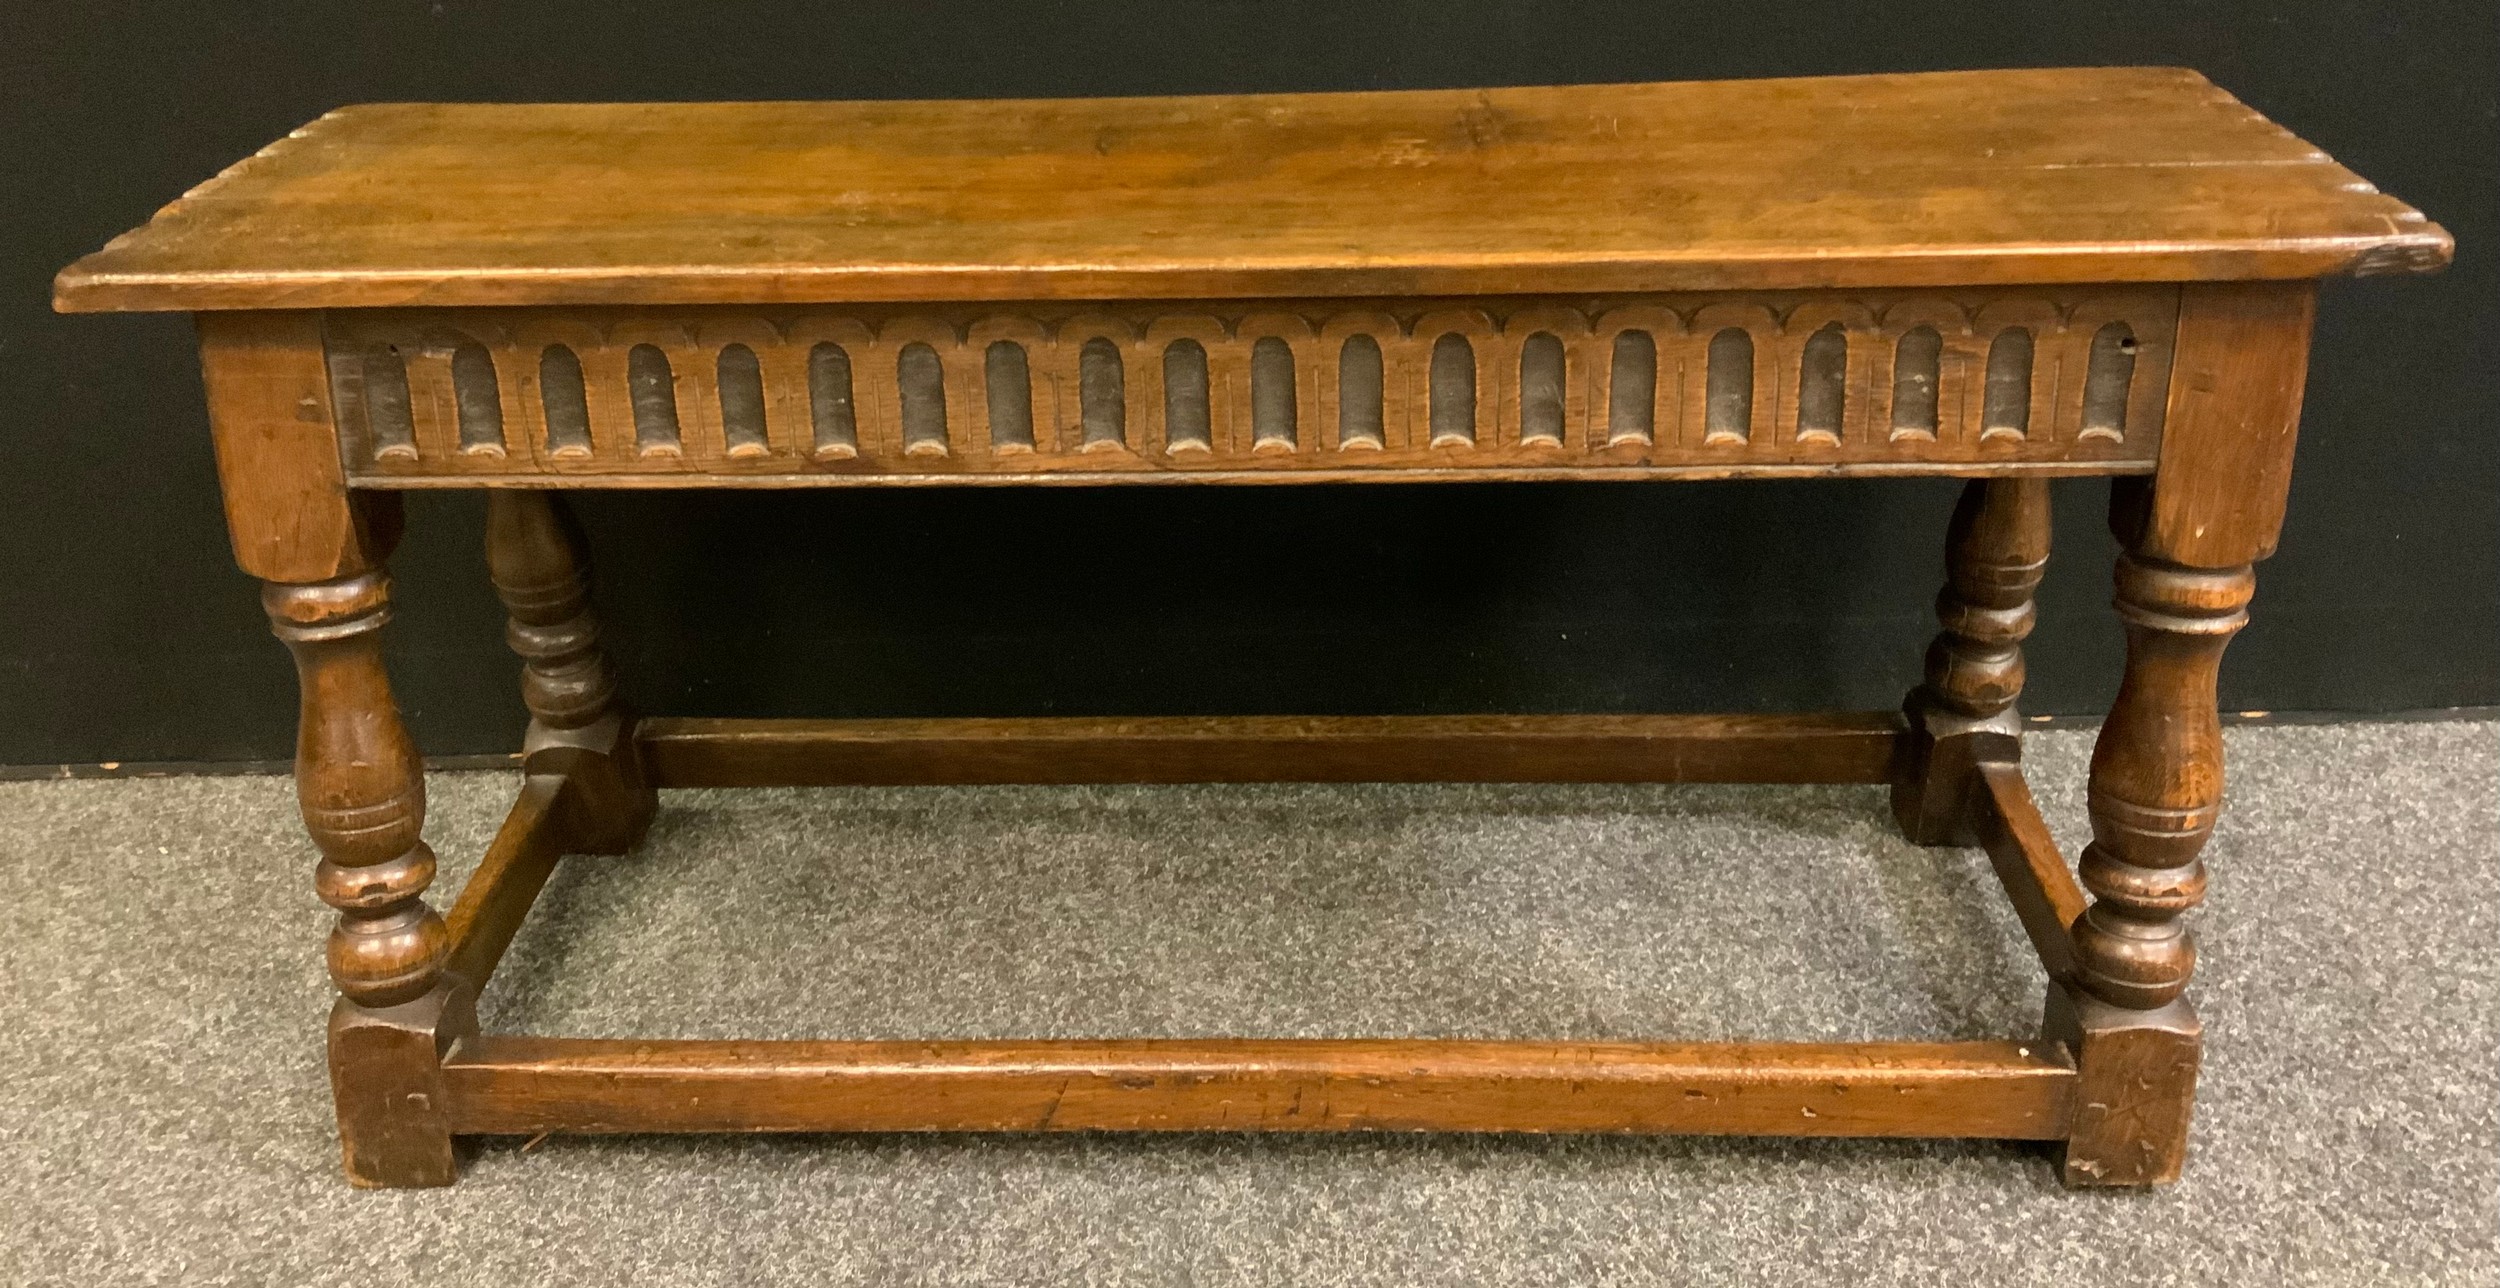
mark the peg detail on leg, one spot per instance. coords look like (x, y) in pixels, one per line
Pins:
(1995, 552)
(538, 561)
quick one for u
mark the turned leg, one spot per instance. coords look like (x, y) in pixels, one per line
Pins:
(362, 790)
(2156, 792)
(538, 561)
(318, 549)
(1963, 713)
(2191, 535)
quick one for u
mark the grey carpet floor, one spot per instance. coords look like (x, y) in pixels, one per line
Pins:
(164, 1107)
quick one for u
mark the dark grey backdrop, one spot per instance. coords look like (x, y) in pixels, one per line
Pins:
(125, 633)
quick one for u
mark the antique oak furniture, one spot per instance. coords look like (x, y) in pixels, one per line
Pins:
(1999, 276)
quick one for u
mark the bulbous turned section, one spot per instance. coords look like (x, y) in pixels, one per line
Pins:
(2156, 787)
(541, 570)
(362, 790)
(535, 556)
(1962, 713)
(1995, 553)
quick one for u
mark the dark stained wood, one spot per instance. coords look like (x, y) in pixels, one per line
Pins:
(534, 557)
(2156, 779)
(1305, 472)
(2104, 174)
(2029, 866)
(1842, 748)
(1998, 275)
(2136, 1087)
(527, 1085)
(610, 795)
(1995, 553)
(2184, 583)
(637, 393)
(1963, 715)
(2226, 460)
(287, 507)
(396, 1118)
(499, 892)
(540, 565)
(2156, 786)
(362, 790)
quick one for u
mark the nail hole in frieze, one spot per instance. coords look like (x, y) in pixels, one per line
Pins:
(920, 381)
(834, 419)
(2107, 380)
(1632, 389)
(1728, 410)
(1541, 390)
(741, 382)
(652, 388)
(1008, 383)
(1823, 385)
(1274, 421)
(478, 400)
(2006, 409)
(1185, 419)
(1916, 362)
(1102, 394)
(1453, 396)
(566, 402)
(1360, 422)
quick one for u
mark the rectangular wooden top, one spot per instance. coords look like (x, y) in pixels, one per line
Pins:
(1960, 178)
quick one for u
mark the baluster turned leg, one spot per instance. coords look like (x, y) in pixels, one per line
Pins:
(1995, 551)
(538, 561)
(2156, 791)
(362, 790)
(2192, 533)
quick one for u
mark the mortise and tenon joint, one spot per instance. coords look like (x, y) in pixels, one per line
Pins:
(1628, 282)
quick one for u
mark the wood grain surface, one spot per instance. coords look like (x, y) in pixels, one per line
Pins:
(789, 395)
(1841, 747)
(1960, 178)
(2012, 1090)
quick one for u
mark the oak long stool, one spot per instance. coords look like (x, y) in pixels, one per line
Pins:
(2002, 276)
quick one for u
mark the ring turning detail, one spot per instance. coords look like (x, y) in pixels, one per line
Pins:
(2002, 277)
